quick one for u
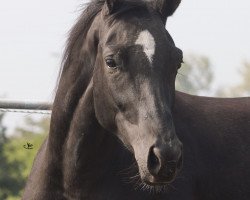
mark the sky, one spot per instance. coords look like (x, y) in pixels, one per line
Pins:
(33, 35)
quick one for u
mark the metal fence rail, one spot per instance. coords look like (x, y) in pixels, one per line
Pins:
(25, 106)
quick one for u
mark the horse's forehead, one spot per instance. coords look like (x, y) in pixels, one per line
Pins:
(147, 41)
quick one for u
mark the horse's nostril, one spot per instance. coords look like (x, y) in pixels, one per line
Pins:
(153, 162)
(164, 165)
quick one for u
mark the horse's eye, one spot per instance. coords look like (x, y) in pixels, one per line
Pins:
(111, 63)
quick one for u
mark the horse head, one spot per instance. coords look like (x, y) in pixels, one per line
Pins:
(133, 83)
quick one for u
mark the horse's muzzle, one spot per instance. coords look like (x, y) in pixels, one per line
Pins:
(163, 164)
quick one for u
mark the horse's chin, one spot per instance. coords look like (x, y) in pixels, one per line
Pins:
(156, 184)
(153, 181)
(156, 187)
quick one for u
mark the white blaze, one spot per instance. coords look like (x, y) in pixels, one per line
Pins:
(147, 41)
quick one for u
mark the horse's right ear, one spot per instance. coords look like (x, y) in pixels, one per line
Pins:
(110, 6)
(165, 7)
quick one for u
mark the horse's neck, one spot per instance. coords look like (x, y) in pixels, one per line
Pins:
(89, 152)
(87, 158)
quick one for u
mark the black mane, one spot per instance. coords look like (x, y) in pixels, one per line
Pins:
(79, 30)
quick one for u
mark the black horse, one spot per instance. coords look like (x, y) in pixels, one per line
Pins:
(119, 131)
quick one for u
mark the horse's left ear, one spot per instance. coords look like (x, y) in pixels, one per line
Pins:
(110, 6)
(165, 7)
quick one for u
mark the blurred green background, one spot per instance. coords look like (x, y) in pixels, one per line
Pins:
(15, 160)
